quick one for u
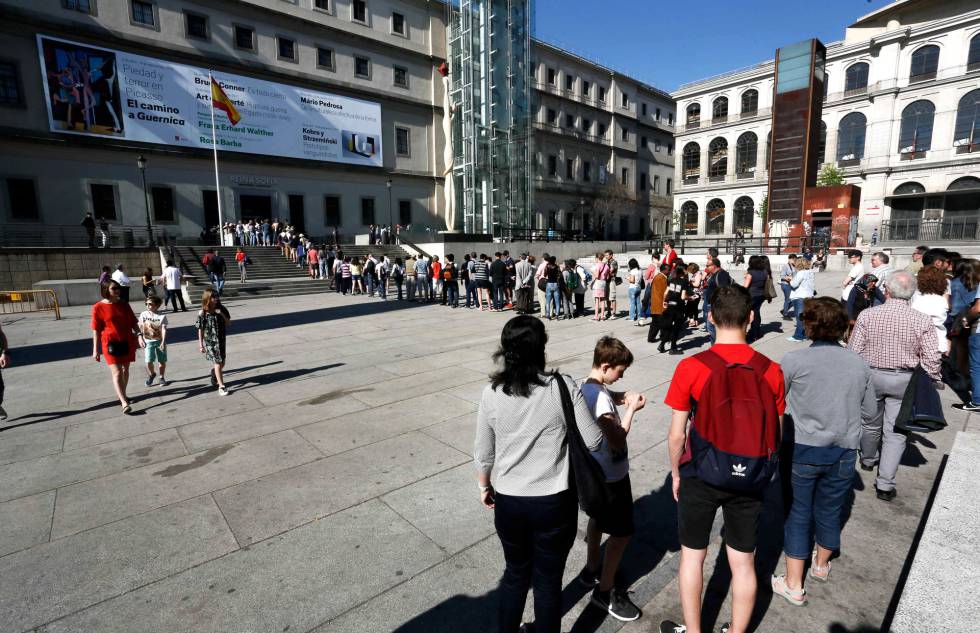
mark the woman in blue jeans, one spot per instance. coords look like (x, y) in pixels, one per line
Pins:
(828, 391)
(802, 288)
(635, 280)
(520, 437)
(552, 292)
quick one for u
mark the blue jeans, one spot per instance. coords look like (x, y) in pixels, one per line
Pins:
(818, 497)
(470, 293)
(645, 303)
(799, 334)
(552, 300)
(218, 281)
(974, 347)
(787, 302)
(634, 295)
(708, 324)
(452, 293)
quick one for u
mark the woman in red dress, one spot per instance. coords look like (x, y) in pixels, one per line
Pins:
(115, 335)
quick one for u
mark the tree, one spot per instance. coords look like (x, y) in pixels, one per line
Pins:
(830, 176)
(763, 210)
(614, 197)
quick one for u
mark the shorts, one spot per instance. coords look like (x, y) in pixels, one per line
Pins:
(618, 518)
(153, 353)
(483, 283)
(696, 508)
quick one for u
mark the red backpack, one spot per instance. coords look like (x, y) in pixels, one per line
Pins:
(733, 441)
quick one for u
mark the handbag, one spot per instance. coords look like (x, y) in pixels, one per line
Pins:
(586, 473)
(769, 292)
(542, 284)
(117, 348)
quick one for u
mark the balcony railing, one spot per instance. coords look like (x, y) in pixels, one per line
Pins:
(568, 131)
(707, 123)
(918, 230)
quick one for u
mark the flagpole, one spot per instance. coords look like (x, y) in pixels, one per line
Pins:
(214, 147)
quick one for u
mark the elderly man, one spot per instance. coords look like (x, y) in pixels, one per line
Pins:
(893, 339)
(524, 285)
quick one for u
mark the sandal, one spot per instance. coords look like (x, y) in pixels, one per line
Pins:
(796, 597)
(127, 409)
(819, 573)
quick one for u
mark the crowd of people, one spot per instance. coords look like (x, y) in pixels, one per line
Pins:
(740, 422)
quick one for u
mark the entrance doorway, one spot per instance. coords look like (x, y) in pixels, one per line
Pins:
(254, 206)
(209, 201)
(296, 214)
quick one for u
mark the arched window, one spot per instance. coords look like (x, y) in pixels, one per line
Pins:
(746, 152)
(856, 79)
(689, 218)
(826, 85)
(715, 223)
(822, 147)
(768, 148)
(750, 102)
(909, 187)
(967, 182)
(973, 57)
(916, 132)
(719, 110)
(925, 63)
(694, 115)
(692, 163)
(717, 159)
(744, 210)
(850, 137)
(966, 136)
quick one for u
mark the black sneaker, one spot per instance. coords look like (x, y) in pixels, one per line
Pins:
(669, 626)
(969, 406)
(885, 495)
(617, 604)
(589, 579)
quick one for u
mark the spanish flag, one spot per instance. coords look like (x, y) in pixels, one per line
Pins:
(221, 101)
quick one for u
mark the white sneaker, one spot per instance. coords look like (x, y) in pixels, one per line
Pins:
(222, 391)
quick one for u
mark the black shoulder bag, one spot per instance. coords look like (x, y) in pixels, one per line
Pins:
(586, 473)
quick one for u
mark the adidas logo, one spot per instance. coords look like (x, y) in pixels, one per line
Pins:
(738, 470)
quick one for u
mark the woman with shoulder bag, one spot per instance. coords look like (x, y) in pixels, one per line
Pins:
(520, 436)
(115, 335)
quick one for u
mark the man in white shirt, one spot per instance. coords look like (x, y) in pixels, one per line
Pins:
(880, 266)
(121, 278)
(171, 279)
(856, 272)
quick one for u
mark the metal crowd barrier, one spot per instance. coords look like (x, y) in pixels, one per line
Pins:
(24, 301)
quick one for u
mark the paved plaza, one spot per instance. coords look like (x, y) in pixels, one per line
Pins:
(334, 491)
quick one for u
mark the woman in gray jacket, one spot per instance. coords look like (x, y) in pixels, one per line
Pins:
(828, 391)
(520, 438)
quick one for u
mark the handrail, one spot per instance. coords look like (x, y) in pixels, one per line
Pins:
(404, 241)
(25, 301)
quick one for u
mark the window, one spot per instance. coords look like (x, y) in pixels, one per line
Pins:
(717, 159)
(719, 110)
(966, 134)
(587, 126)
(656, 145)
(358, 13)
(746, 150)
(850, 137)
(856, 79)
(691, 162)
(916, 132)
(694, 115)
(569, 82)
(670, 186)
(643, 182)
(973, 57)
(404, 212)
(587, 88)
(196, 25)
(10, 92)
(552, 76)
(750, 102)
(400, 77)
(826, 85)
(624, 176)
(569, 120)
(715, 221)
(324, 58)
(402, 146)
(322, 5)
(670, 118)
(670, 149)
(925, 63)
(656, 184)
(602, 94)
(142, 13)
(163, 204)
(624, 133)
(768, 148)
(245, 37)
(397, 23)
(367, 211)
(643, 141)
(587, 171)
(657, 115)
(331, 210)
(83, 6)
(362, 67)
(643, 109)
(744, 212)
(570, 168)
(552, 116)
(552, 165)
(287, 48)
(822, 147)
(103, 201)
(22, 198)
(625, 101)
(602, 130)
(689, 218)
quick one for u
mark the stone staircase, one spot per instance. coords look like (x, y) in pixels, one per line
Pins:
(269, 275)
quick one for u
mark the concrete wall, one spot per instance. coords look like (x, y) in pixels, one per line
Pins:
(21, 268)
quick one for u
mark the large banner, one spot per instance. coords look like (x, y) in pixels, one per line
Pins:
(100, 92)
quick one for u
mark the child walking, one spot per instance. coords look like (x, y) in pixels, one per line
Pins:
(610, 360)
(212, 321)
(153, 326)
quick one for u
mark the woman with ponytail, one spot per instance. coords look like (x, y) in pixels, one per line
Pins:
(520, 436)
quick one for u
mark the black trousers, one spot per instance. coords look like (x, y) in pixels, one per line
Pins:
(672, 323)
(172, 297)
(1, 387)
(536, 534)
(656, 328)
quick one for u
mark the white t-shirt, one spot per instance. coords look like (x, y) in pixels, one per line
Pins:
(634, 276)
(171, 275)
(151, 324)
(936, 307)
(121, 278)
(857, 271)
(615, 465)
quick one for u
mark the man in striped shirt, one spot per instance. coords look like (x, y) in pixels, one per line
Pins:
(893, 339)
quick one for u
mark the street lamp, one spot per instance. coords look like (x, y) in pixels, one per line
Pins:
(391, 224)
(141, 163)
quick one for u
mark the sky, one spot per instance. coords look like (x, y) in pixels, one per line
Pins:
(667, 44)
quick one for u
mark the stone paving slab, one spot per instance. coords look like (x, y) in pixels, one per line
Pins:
(30, 445)
(25, 522)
